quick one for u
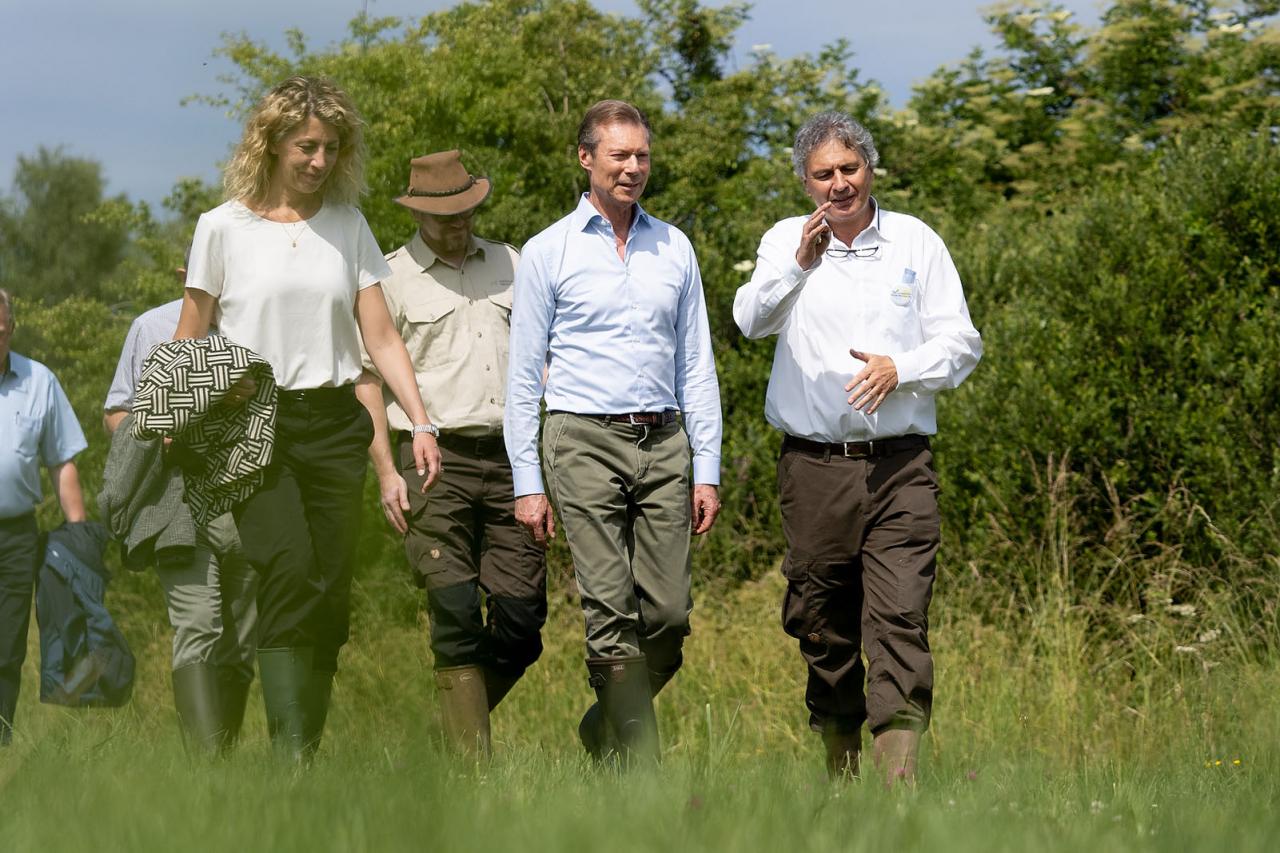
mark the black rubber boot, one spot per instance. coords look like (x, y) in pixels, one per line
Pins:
(286, 674)
(464, 709)
(626, 703)
(196, 696)
(233, 694)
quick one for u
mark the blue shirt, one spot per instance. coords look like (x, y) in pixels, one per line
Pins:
(148, 330)
(616, 336)
(37, 426)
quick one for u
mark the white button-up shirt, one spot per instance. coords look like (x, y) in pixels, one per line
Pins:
(617, 336)
(902, 298)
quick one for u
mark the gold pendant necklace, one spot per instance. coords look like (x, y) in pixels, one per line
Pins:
(294, 235)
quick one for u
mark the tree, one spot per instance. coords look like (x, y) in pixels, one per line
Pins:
(58, 235)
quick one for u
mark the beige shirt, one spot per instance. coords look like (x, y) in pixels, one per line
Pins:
(455, 324)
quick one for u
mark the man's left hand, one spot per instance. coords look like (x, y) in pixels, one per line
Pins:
(706, 506)
(426, 458)
(874, 382)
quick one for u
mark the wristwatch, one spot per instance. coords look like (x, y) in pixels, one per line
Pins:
(429, 429)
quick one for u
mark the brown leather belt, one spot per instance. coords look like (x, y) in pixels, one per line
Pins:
(663, 418)
(856, 449)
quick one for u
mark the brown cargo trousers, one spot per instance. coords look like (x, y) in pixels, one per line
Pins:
(862, 539)
(486, 581)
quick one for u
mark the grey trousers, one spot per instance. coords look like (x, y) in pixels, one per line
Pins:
(211, 594)
(623, 492)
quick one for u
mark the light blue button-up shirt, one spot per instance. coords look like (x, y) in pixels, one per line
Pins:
(616, 336)
(37, 426)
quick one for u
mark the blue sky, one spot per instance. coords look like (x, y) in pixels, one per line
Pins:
(105, 78)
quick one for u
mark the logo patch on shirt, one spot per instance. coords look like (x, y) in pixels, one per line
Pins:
(901, 293)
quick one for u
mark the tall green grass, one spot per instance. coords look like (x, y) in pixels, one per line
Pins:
(1069, 715)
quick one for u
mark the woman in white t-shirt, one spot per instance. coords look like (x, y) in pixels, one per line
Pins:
(288, 268)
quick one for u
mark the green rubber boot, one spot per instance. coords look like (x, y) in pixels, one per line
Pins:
(464, 709)
(625, 700)
(233, 694)
(319, 690)
(286, 674)
(196, 696)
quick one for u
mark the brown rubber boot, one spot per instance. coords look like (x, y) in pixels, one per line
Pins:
(464, 709)
(626, 705)
(894, 755)
(842, 754)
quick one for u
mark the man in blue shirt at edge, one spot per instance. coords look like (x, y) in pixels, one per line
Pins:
(610, 300)
(37, 426)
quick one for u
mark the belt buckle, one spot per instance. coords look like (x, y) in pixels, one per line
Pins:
(858, 453)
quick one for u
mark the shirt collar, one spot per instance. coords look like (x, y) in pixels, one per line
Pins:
(12, 369)
(585, 214)
(425, 256)
(875, 229)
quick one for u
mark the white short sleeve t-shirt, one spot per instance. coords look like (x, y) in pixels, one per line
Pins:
(287, 290)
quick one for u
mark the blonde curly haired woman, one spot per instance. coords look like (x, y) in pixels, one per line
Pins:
(287, 267)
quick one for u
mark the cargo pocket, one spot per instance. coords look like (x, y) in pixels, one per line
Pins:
(801, 613)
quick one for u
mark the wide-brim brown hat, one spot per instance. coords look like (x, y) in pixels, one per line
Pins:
(439, 184)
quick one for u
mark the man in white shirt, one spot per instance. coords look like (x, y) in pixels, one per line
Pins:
(610, 300)
(871, 322)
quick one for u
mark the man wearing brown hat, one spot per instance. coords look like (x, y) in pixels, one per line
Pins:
(449, 293)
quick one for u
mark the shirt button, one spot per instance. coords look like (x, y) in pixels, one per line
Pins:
(487, 368)
(492, 400)
(479, 334)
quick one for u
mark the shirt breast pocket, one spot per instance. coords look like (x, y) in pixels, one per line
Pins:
(433, 337)
(502, 301)
(28, 436)
(900, 296)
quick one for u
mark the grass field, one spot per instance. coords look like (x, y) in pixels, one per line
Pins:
(1043, 738)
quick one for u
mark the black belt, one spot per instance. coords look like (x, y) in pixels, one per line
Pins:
(316, 396)
(663, 418)
(471, 445)
(856, 449)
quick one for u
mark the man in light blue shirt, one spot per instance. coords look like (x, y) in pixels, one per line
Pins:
(37, 426)
(609, 301)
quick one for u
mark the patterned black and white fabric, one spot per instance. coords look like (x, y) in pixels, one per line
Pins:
(226, 449)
